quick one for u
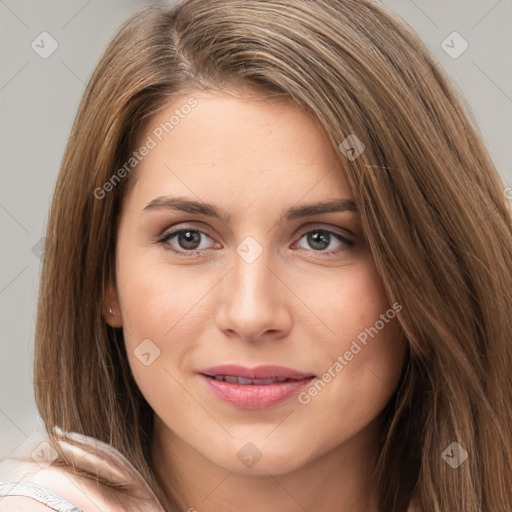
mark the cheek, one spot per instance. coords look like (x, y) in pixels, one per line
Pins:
(363, 358)
(156, 299)
(349, 303)
(158, 332)
(163, 319)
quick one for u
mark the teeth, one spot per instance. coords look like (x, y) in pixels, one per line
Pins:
(242, 380)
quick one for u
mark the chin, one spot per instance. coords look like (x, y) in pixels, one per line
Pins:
(249, 460)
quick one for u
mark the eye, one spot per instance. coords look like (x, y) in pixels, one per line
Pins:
(188, 240)
(320, 239)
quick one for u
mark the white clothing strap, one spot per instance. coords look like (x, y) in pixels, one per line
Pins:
(39, 493)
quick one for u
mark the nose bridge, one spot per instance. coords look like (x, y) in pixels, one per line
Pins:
(252, 301)
(251, 274)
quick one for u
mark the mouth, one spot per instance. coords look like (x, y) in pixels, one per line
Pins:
(256, 388)
(263, 374)
(233, 379)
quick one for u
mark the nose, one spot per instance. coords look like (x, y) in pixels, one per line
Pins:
(255, 303)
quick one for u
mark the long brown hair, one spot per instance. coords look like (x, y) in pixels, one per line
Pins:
(429, 197)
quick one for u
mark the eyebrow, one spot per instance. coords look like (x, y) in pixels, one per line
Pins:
(295, 212)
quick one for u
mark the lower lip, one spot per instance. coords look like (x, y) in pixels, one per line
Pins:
(252, 396)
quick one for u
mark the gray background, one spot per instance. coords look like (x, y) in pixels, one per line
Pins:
(39, 98)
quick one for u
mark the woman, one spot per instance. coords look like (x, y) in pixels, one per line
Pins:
(196, 349)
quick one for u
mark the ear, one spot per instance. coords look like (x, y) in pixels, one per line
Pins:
(111, 309)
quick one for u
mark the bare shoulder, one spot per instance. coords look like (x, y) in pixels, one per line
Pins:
(21, 504)
(84, 493)
(92, 478)
(90, 475)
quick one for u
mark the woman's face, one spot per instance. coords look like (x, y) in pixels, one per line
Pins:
(254, 279)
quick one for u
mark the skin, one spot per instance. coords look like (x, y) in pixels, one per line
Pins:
(294, 306)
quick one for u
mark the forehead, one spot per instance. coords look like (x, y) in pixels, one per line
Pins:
(214, 144)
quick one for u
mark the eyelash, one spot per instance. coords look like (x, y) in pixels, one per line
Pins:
(185, 253)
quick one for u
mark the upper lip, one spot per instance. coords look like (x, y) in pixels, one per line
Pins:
(258, 372)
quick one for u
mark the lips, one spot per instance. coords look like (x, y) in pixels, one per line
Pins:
(263, 372)
(244, 382)
(254, 388)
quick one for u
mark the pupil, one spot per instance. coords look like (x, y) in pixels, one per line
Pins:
(185, 238)
(315, 238)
